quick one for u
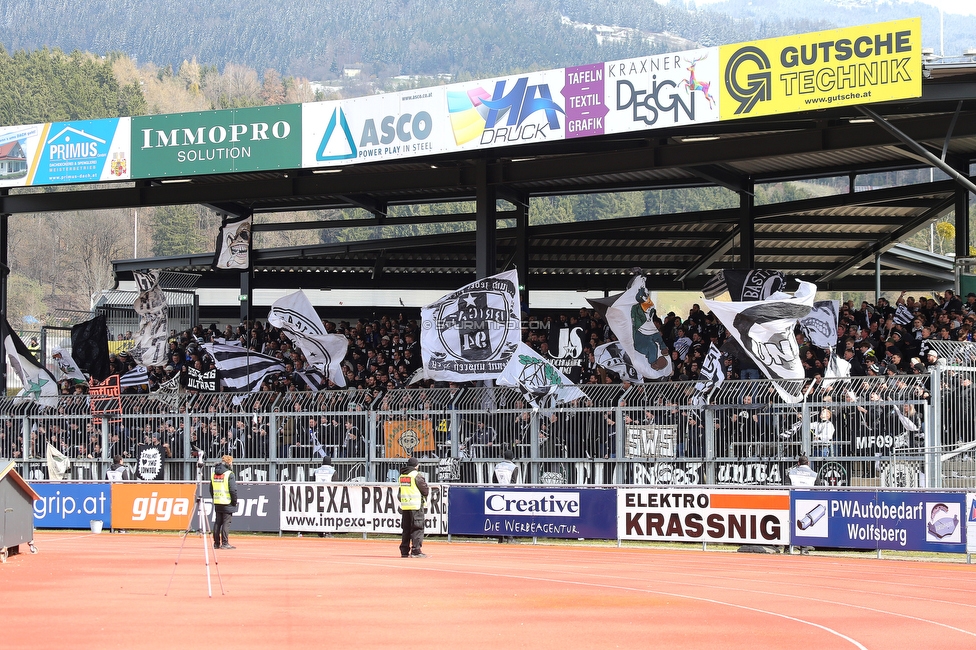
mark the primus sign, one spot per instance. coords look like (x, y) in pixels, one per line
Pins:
(241, 140)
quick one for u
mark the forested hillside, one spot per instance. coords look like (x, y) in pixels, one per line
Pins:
(465, 38)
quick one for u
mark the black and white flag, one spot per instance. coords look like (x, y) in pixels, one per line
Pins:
(89, 346)
(539, 382)
(242, 370)
(903, 316)
(613, 357)
(136, 377)
(66, 365)
(314, 379)
(295, 314)
(764, 329)
(38, 383)
(755, 284)
(202, 381)
(820, 325)
(473, 332)
(149, 343)
(711, 377)
(233, 249)
(631, 317)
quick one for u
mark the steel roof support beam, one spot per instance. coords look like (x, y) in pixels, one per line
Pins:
(887, 241)
(486, 220)
(706, 261)
(747, 227)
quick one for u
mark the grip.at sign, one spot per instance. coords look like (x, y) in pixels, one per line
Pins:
(533, 512)
(729, 516)
(904, 521)
(72, 505)
(354, 508)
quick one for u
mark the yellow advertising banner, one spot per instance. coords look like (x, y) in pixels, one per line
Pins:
(407, 437)
(839, 67)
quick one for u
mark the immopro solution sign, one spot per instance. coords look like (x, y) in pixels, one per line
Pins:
(217, 142)
(840, 67)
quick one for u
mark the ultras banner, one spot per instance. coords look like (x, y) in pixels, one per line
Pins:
(728, 516)
(354, 508)
(536, 511)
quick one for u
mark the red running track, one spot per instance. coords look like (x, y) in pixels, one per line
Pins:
(105, 591)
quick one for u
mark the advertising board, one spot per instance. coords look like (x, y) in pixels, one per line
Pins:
(72, 505)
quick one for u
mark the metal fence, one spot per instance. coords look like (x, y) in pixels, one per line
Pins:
(900, 431)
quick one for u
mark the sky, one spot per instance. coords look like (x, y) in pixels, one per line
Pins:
(964, 7)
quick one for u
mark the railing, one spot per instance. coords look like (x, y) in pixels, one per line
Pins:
(904, 431)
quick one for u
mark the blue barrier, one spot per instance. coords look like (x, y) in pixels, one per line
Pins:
(72, 505)
(901, 521)
(537, 511)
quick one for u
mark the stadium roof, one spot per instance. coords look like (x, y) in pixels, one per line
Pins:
(834, 240)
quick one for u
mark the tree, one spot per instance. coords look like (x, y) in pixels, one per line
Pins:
(176, 231)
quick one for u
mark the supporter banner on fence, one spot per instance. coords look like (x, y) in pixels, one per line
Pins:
(533, 512)
(72, 505)
(152, 506)
(215, 142)
(258, 508)
(839, 67)
(404, 438)
(669, 473)
(354, 508)
(729, 516)
(901, 521)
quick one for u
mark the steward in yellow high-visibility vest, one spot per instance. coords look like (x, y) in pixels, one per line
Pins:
(223, 490)
(413, 498)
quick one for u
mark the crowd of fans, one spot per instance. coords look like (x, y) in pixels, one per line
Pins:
(384, 354)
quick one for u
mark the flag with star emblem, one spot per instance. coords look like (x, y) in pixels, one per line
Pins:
(39, 384)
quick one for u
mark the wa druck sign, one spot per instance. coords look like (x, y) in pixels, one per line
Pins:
(533, 512)
(728, 516)
(902, 521)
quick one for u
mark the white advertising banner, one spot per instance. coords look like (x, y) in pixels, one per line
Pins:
(354, 508)
(374, 128)
(971, 523)
(726, 516)
(663, 90)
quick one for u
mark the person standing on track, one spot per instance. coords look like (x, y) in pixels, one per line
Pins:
(413, 498)
(223, 490)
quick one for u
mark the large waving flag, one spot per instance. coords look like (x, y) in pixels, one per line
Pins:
(138, 376)
(472, 333)
(711, 376)
(612, 356)
(764, 329)
(38, 382)
(820, 325)
(631, 317)
(149, 346)
(539, 381)
(295, 314)
(233, 249)
(66, 365)
(89, 346)
(242, 370)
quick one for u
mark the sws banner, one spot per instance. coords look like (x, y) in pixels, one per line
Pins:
(902, 521)
(258, 508)
(840, 67)
(72, 505)
(354, 508)
(534, 512)
(728, 516)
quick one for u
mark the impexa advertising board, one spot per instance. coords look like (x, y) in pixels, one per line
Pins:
(534, 512)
